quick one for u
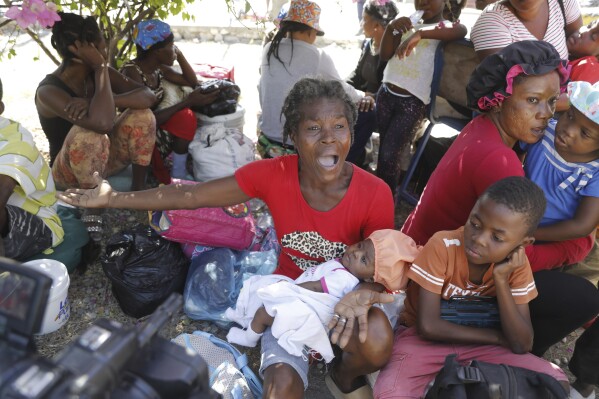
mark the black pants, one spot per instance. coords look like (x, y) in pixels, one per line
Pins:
(565, 303)
(585, 362)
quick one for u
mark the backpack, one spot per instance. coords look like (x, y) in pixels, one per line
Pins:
(483, 380)
(229, 372)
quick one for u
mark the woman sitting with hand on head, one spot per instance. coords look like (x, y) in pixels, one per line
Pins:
(176, 123)
(290, 56)
(77, 106)
(320, 204)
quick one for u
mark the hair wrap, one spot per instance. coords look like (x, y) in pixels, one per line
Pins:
(493, 79)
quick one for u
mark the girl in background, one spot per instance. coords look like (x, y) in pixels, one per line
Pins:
(407, 78)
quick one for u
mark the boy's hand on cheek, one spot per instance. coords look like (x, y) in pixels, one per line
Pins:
(516, 259)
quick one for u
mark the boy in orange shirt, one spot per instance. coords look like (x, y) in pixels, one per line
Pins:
(485, 257)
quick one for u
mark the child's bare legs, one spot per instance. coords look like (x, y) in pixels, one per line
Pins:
(250, 337)
(261, 321)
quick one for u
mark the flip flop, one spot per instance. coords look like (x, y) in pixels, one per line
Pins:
(364, 392)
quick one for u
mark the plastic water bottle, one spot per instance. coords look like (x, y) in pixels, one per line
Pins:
(416, 16)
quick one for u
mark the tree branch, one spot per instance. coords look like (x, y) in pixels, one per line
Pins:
(5, 22)
(45, 49)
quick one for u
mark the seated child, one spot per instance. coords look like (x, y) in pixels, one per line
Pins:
(409, 48)
(29, 223)
(484, 257)
(565, 165)
(274, 301)
(583, 47)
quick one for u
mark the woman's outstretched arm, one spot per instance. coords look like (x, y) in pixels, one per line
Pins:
(215, 193)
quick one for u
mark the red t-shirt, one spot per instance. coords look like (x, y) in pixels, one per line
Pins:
(477, 159)
(585, 69)
(309, 237)
(442, 268)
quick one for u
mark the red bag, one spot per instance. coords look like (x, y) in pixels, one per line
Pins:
(215, 72)
(230, 227)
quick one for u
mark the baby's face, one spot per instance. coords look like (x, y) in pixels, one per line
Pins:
(359, 259)
(584, 42)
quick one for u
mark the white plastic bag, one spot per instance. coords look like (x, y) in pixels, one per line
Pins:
(218, 151)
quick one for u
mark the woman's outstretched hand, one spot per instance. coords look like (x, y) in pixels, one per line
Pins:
(98, 197)
(354, 305)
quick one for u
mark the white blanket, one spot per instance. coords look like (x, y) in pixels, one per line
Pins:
(300, 315)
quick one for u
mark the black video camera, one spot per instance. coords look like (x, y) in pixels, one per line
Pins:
(108, 360)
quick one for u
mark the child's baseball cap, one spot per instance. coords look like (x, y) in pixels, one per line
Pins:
(585, 98)
(305, 12)
(393, 253)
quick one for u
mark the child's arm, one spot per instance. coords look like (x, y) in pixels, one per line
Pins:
(515, 319)
(390, 41)
(516, 332)
(315, 286)
(433, 328)
(445, 34)
(584, 222)
(187, 76)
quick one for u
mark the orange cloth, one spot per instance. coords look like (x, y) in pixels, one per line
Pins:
(394, 253)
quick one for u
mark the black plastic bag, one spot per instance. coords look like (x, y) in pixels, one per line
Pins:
(144, 269)
(225, 103)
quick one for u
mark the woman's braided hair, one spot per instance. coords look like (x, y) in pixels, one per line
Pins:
(308, 90)
(285, 27)
(70, 28)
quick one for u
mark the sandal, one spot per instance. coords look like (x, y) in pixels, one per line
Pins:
(93, 225)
